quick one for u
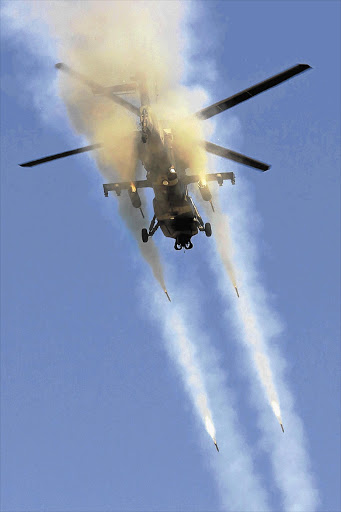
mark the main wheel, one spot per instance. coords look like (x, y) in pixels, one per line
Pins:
(208, 229)
(145, 235)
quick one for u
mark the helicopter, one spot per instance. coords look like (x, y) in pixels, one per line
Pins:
(156, 145)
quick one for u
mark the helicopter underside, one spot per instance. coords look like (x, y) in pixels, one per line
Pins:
(180, 221)
(181, 228)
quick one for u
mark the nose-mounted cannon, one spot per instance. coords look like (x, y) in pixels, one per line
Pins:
(183, 242)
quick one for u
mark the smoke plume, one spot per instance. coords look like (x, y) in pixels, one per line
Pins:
(112, 42)
(256, 326)
(249, 322)
(222, 238)
(206, 386)
(176, 332)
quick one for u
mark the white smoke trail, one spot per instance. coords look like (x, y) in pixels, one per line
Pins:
(149, 251)
(185, 353)
(240, 488)
(249, 322)
(256, 325)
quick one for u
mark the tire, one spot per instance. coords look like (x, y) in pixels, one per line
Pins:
(208, 229)
(145, 235)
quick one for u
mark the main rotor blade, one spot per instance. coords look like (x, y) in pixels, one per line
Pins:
(98, 89)
(230, 102)
(32, 163)
(236, 157)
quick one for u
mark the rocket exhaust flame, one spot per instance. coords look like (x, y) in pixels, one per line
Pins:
(210, 427)
(277, 411)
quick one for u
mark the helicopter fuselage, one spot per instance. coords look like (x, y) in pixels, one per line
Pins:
(174, 210)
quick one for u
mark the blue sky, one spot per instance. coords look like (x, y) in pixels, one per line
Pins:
(94, 413)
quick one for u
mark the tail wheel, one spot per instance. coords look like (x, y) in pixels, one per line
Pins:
(208, 229)
(145, 235)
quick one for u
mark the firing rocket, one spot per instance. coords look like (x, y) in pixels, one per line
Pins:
(215, 444)
(168, 297)
(282, 428)
(237, 291)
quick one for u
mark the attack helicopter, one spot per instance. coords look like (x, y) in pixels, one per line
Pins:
(156, 147)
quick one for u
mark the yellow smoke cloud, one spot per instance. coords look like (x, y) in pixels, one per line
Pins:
(109, 43)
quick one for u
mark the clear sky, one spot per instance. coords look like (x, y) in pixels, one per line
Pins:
(94, 412)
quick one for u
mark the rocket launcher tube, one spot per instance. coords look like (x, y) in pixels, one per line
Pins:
(204, 190)
(134, 196)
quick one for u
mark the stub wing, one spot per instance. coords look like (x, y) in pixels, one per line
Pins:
(124, 185)
(220, 177)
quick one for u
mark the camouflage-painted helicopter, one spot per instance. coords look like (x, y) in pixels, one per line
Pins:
(156, 147)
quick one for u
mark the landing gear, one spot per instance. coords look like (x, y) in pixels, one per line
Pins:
(152, 228)
(208, 229)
